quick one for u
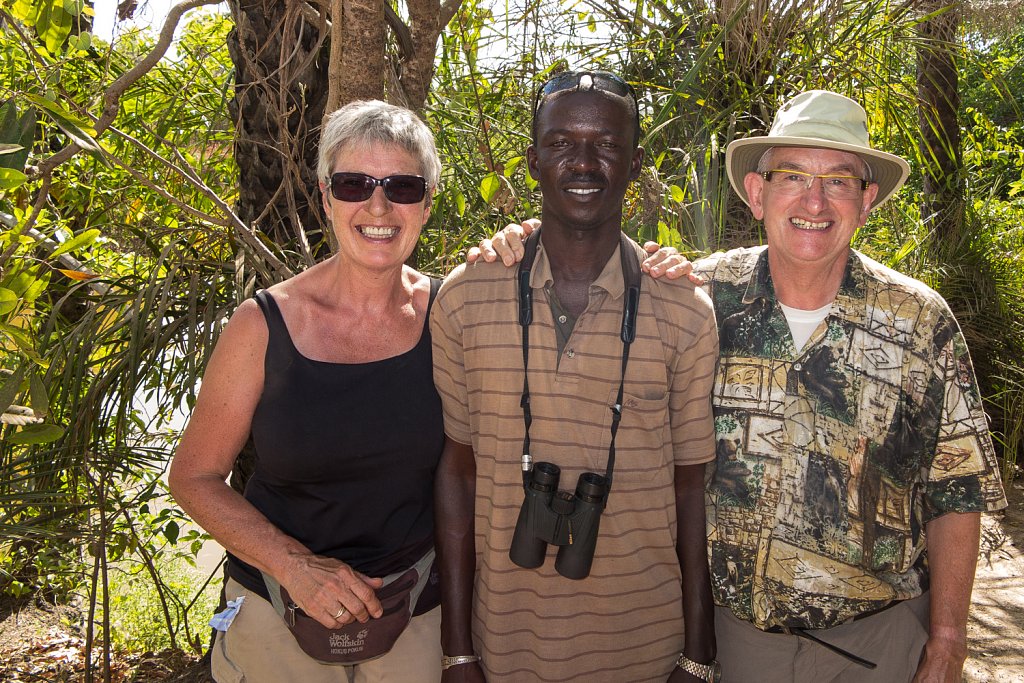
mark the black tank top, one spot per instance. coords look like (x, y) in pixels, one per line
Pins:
(346, 453)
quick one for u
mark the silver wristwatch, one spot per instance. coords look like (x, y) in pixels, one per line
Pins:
(712, 673)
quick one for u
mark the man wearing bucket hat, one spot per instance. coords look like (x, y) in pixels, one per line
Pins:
(853, 453)
(854, 457)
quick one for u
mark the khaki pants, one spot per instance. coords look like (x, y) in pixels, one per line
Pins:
(893, 639)
(259, 648)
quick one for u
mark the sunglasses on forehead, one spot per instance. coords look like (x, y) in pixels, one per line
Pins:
(583, 80)
(358, 187)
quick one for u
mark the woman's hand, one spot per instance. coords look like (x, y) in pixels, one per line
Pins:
(331, 592)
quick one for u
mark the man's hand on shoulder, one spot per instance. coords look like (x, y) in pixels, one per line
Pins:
(668, 262)
(507, 245)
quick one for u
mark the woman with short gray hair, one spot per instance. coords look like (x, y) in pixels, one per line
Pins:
(331, 373)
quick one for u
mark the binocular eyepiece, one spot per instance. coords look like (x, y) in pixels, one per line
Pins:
(568, 520)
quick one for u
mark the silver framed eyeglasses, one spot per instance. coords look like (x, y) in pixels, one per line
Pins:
(790, 182)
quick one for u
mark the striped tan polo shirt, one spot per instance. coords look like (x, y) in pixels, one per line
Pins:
(624, 622)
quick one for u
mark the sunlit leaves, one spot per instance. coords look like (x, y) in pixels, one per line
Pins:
(489, 187)
(50, 18)
(81, 132)
(17, 134)
(79, 241)
(11, 179)
(8, 300)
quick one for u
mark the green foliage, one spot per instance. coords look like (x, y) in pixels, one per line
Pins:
(137, 613)
(116, 272)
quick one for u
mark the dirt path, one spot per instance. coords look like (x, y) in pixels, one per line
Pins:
(996, 628)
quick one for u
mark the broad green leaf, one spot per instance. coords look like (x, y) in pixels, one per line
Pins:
(489, 186)
(82, 239)
(36, 434)
(17, 129)
(53, 24)
(460, 204)
(8, 300)
(677, 193)
(511, 165)
(171, 530)
(50, 18)
(28, 10)
(39, 399)
(11, 178)
(9, 391)
(22, 340)
(79, 130)
(36, 288)
(20, 281)
(665, 236)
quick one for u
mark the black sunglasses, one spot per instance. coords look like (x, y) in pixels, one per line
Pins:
(358, 187)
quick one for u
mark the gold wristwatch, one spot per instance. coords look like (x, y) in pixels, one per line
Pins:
(712, 673)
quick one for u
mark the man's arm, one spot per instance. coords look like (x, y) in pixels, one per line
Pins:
(953, 542)
(454, 497)
(692, 550)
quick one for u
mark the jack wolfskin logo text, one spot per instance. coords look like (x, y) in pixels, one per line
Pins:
(343, 644)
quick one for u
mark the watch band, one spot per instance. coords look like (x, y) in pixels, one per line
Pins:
(705, 672)
(449, 662)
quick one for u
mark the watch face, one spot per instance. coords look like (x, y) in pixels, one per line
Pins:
(716, 672)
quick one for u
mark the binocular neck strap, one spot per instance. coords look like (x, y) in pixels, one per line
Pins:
(630, 303)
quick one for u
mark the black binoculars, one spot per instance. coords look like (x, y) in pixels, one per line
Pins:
(560, 518)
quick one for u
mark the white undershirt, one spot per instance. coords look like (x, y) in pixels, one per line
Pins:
(803, 323)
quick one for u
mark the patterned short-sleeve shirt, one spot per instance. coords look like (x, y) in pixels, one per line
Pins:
(831, 459)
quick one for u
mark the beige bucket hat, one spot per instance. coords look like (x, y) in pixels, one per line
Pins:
(818, 118)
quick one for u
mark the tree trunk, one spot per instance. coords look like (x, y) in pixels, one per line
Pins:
(278, 104)
(361, 30)
(942, 203)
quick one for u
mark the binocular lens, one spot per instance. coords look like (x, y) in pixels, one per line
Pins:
(591, 487)
(545, 476)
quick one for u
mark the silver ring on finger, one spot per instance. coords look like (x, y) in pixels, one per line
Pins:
(341, 613)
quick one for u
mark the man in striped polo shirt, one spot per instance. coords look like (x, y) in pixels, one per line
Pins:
(621, 618)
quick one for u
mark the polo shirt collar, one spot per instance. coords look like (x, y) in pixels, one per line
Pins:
(609, 280)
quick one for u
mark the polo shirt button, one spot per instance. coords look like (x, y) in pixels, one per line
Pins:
(570, 353)
(798, 367)
(562, 319)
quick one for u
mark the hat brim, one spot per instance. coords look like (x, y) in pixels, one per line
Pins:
(888, 171)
